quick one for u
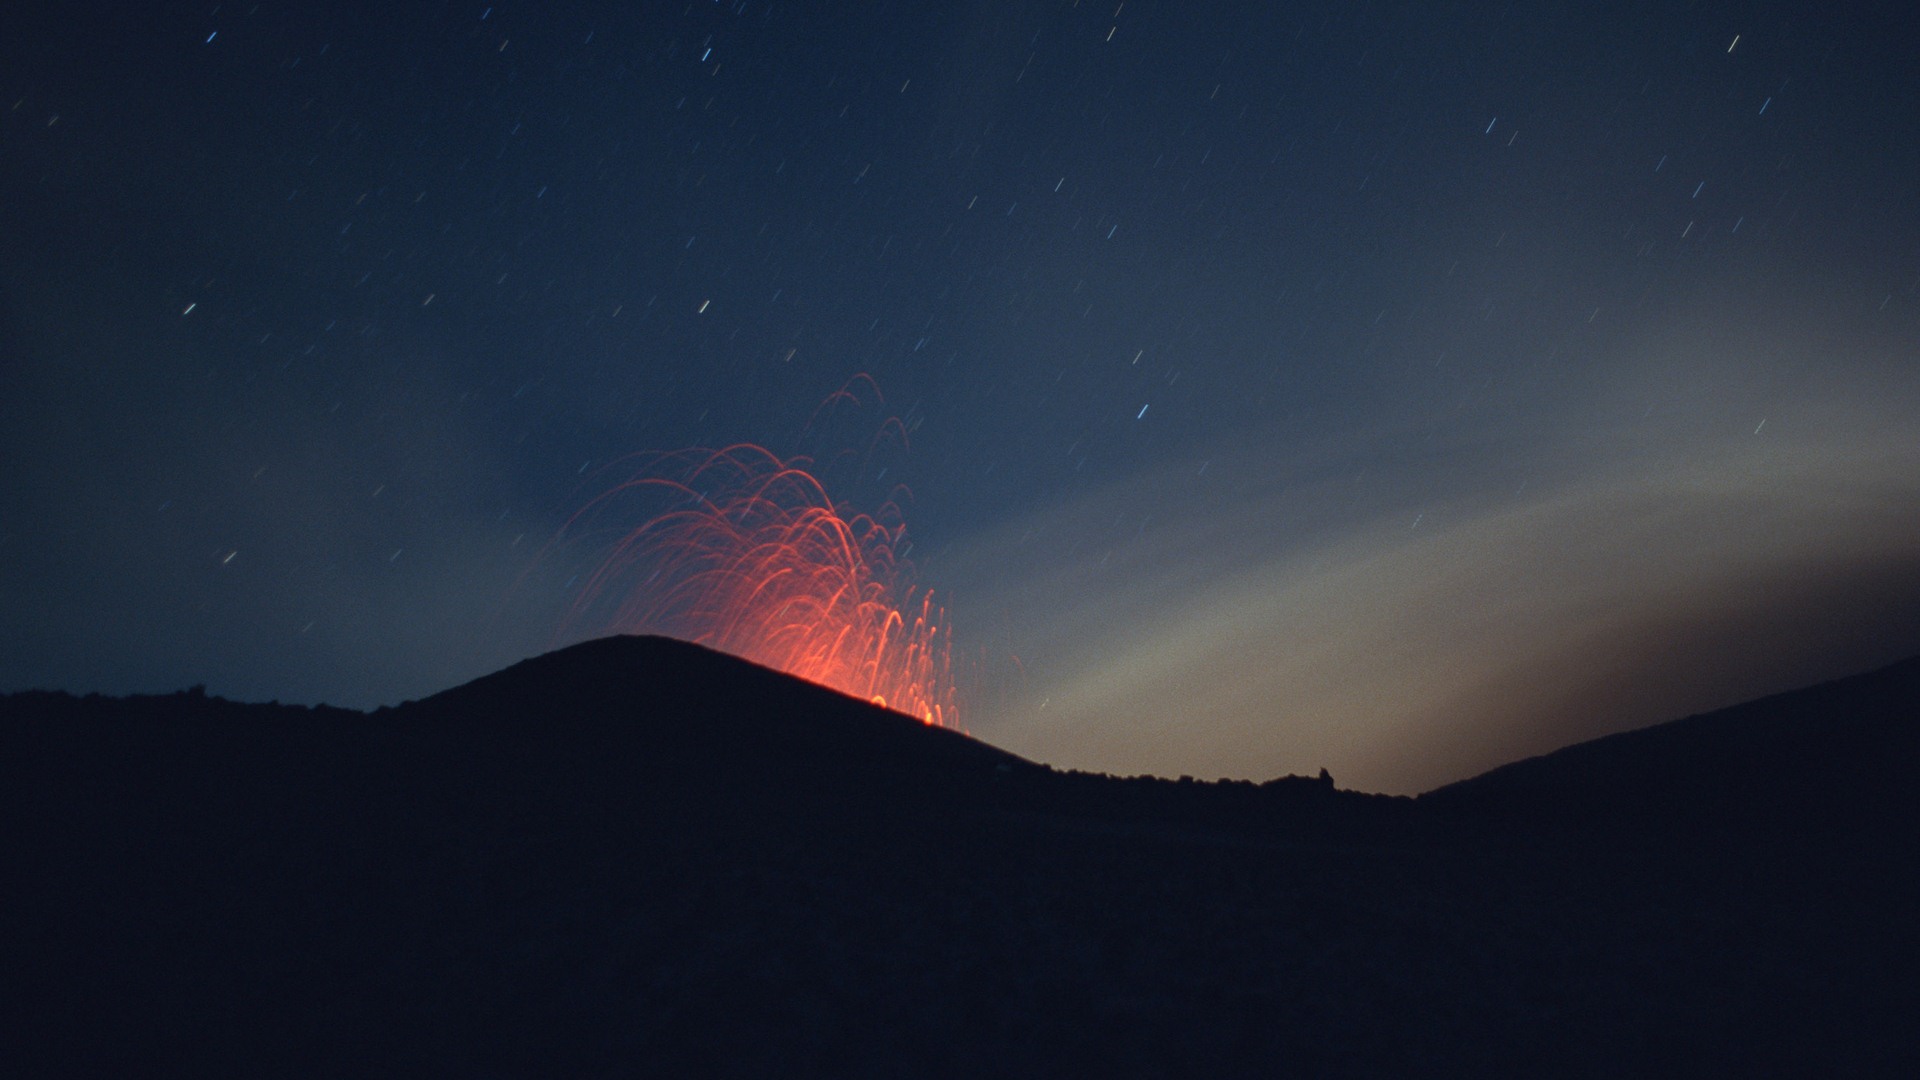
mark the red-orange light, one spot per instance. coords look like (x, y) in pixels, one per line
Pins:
(751, 556)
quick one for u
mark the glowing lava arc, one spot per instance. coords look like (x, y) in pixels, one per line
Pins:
(753, 558)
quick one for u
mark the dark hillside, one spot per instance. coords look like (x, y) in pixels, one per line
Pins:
(1840, 757)
(636, 857)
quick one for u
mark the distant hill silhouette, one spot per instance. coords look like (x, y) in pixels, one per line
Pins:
(1842, 755)
(689, 731)
(638, 857)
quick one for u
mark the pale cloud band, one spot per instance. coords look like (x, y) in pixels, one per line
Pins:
(1412, 628)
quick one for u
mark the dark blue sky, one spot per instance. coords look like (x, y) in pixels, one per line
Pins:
(1391, 387)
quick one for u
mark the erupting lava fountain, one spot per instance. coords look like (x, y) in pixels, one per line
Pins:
(751, 556)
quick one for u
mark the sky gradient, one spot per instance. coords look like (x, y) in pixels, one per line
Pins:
(1399, 389)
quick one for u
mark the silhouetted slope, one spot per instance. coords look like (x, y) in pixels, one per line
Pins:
(694, 737)
(1843, 755)
(694, 730)
(658, 697)
(636, 857)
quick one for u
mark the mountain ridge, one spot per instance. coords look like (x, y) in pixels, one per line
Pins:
(635, 856)
(1814, 756)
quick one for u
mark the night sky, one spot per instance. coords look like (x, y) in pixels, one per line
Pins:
(1395, 388)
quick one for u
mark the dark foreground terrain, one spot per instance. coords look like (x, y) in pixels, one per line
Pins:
(636, 857)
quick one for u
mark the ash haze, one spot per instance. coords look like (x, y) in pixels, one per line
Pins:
(1392, 388)
(1503, 592)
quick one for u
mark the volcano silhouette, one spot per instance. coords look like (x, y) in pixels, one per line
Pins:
(638, 857)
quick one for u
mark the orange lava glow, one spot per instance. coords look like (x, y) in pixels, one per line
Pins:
(751, 556)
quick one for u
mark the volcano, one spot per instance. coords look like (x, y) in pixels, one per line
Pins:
(638, 857)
